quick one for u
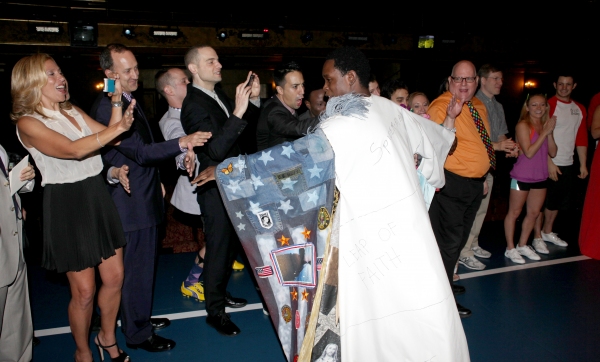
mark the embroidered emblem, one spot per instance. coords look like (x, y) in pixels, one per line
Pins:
(264, 271)
(286, 313)
(228, 169)
(323, 218)
(264, 217)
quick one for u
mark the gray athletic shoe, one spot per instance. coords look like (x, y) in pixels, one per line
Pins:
(481, 253)
(472, 263)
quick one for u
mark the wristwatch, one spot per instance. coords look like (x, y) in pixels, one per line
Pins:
(117, 104)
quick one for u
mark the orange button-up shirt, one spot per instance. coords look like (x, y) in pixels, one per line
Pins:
(470, 158)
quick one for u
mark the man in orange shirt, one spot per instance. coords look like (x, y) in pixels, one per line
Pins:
(453, 208)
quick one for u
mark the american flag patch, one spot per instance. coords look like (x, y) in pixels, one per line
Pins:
(319, 263)
(264, 271)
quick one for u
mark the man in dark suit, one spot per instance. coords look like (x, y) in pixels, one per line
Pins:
(141, 209)
(210, 110)
(279, 120)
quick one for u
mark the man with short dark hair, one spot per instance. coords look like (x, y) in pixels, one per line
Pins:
(397, 91)
(278, 120)
(206, 108)
(453, 208)
(315, 103)
(570, 133)
(141, 210)
(394, 300)
(490, 79)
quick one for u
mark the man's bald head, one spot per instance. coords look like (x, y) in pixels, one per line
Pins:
(463, 81)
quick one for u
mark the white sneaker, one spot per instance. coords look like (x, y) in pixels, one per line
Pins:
(514, 256)
(481, 253)
(554, 239)
(528, 252)
(540, 246)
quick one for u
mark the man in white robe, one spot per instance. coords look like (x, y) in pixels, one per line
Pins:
(395, 303)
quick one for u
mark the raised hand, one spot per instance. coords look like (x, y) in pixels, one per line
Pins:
(196, 139)
(549, 126)
(454, 107)
(127, 119)
(242, 94)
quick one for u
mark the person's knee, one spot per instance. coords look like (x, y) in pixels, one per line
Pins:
(83, 296)
(114, 279)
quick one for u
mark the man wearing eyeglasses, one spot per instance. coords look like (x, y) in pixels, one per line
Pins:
(453, 208)
(490, 80)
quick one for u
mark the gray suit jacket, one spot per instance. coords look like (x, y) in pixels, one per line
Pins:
(11, 229)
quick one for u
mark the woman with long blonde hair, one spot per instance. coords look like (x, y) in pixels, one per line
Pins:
(82, 228)
(529, 174)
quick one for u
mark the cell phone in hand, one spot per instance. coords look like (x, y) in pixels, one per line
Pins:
(109, 85)
(249, 84)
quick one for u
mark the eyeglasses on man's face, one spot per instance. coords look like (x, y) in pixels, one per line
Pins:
(460, 79)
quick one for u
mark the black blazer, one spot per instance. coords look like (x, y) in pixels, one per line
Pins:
(200, 112)
(144, 207)
(277, 125)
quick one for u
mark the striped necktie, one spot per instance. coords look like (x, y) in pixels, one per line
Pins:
(485, 137)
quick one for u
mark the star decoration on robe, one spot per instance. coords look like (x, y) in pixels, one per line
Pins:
(305, 295)
(283, 240)
(306, 233)
(266, 157)
(288, 183)
(241, 227)
(287, 150)
(234, 185)
(240, 164)
(315, 172)
(294, 294)
(256, 181)
(255, 207)
(285, 206)
(239, 214)
(313, 197)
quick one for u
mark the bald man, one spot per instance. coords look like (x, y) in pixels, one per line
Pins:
(453, 209)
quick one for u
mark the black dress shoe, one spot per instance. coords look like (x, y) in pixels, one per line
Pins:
(223, 324)
(458, 289)
(154, 343)
(160, 323)
(462, 311)
(233, 302)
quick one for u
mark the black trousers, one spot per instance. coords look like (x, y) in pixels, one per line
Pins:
(452, 213)
(139, 261)
(221, 248)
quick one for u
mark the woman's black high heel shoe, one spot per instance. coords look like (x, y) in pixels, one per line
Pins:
(123, 357)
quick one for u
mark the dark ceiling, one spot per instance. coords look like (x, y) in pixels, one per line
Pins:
(401, 17)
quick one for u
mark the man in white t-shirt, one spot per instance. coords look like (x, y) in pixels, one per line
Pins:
(570, 134)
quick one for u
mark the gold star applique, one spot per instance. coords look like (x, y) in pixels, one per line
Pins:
(283, 240)
(294, 294)
(305, 295)
(306, 233)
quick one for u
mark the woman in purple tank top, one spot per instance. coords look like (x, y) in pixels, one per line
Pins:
(529, 174)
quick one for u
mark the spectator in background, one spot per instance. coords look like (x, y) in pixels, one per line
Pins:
(397, 91)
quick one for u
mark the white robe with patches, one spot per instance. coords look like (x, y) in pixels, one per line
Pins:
(395, 302)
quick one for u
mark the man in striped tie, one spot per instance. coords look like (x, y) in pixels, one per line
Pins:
(453, 208)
